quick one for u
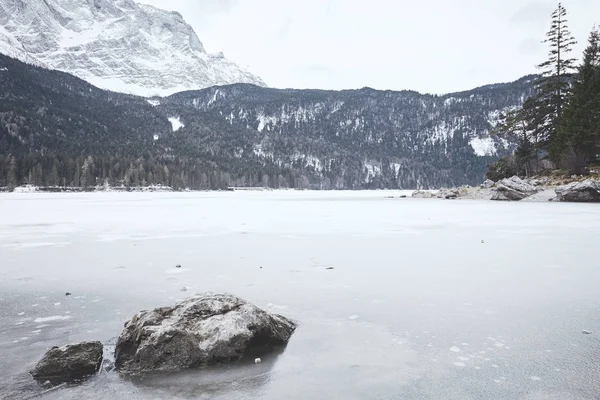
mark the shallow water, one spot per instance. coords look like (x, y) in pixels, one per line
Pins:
(416, 307)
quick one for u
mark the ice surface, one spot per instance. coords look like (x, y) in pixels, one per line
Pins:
(52, 318)
(413, 270)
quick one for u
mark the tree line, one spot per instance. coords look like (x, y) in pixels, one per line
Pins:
(560, 122)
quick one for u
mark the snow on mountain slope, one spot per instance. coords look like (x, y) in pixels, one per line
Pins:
(114, 44)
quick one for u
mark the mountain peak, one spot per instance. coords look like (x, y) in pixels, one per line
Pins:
(118, 45)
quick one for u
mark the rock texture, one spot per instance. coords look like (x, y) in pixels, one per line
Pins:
(117, 45)
(69, 363)
(513, 189)
(587, 191)
(448, 194)
(204, 330)
(422, 194)
(487, 184)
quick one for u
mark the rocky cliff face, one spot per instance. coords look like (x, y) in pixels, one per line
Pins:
(114, 44)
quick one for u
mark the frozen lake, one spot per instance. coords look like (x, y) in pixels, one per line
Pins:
(416, 307)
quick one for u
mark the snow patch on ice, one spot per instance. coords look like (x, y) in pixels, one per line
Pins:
(176, 271)
(455, 349)
(52, 318)
(153, 103)
(460, 364)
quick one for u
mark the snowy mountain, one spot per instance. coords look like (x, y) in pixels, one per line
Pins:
(117, 45)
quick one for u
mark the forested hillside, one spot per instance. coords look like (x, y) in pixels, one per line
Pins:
(57, 130)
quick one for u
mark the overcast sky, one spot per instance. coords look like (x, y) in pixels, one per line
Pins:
(435, 46)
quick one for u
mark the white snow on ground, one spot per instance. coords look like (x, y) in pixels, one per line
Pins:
(153, 103)
(176, 123)
(483, 146)
(26, 189)
(373, 170)
(155, 137)
(52, 318)
(265, 122)
(396, 167)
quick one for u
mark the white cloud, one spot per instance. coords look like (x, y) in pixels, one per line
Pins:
(427, 45)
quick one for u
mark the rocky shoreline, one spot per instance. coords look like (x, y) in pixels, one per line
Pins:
(517, 189)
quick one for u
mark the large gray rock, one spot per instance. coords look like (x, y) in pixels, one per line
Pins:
(69, 363)
(422, 194)
(583, 192)
(203, 330)
(448, 194)
(487, 184)
(513, 189)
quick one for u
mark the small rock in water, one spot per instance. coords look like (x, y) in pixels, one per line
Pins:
(69, 363)
(178, 266)
(68, 294)
(586, 332)
(257, 361)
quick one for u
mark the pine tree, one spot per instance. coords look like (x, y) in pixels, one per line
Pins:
(579, 131)
(11, 179)
(552, 88)
(525, 125)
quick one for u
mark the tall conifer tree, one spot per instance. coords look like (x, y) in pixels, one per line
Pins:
(552, 87)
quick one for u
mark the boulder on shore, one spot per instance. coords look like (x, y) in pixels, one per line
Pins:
(448, 194)
(487, 184)
(69, 363)
(587, 191)
(422, 194)
(204, 330)
(514, 189)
